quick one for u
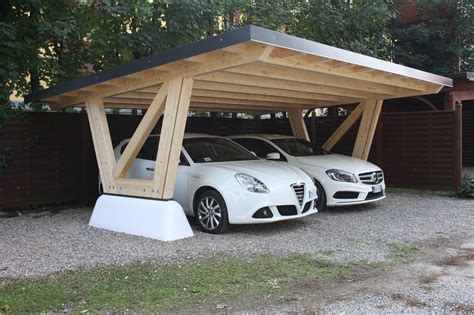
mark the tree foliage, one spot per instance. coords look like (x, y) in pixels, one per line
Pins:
(442, 41)
(44, 42)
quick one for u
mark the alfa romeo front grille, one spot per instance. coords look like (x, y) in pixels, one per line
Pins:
(299, 192)
(371, 178)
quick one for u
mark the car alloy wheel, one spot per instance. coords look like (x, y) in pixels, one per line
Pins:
(211, 212)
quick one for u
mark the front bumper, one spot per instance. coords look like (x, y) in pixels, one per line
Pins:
(242, 205)
(346, 194)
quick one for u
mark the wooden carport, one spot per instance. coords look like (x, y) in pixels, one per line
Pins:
(250, 70)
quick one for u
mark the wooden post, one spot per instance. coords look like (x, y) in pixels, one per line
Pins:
(140, 135)
(102, 142)
(297, 124)
(379, 143)
(344, 127)
(458, 146)
(313, 129)
(367, 128)
(169, 149)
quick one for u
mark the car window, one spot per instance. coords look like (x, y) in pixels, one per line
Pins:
(149, 150)
(298, 147)
(260, 147)
(206, 150)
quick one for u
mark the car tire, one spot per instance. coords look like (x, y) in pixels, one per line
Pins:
(321, 202)
(210, 211)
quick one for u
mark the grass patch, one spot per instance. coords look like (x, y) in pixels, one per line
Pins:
(141, 287)
(402, 252)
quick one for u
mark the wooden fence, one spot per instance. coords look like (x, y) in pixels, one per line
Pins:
(54, 160)
(468, 135)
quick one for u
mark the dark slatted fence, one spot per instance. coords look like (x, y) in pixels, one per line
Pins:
(54, 159)
(468, 134)
(420, 150)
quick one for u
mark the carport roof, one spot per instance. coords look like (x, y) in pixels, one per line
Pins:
(250, 69)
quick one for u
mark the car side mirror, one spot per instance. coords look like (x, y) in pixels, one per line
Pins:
(273, 156)
(253, 153)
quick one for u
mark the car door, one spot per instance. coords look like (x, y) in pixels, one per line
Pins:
(181, 188)
(143, 166)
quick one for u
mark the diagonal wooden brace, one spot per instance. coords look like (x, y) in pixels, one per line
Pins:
(140, 135)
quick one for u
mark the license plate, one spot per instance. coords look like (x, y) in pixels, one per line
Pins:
(377, 189)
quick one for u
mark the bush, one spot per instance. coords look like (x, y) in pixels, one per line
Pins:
(467, 188)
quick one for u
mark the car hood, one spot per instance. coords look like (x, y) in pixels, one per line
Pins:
(338, 161)
(265, 171)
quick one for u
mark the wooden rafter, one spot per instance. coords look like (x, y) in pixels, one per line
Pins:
(281, 84)
(330, 83)
(150, 78)
(325, 68)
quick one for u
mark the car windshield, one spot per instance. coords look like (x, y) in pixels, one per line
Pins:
(298, 147)
(206, 150)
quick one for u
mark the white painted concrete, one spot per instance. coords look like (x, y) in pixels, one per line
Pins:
(157, 219)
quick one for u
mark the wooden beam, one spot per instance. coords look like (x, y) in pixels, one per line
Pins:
(325, 68)
(219, 107)
(171, 137)
(102, 142)
(140, 135)
(266, 53)
(211, 100)
(344, 127)
(324, 93)
(333, 84)
(367, 128)
(254, 90)
(224, 95)
(298, 125)
(150, 78)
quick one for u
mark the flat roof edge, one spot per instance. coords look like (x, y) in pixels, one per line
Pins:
(223, 40)
(283, 40)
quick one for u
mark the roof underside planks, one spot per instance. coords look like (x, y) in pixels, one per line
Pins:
(251, 70)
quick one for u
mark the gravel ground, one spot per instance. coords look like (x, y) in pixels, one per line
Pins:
(439, 281)
(38, 244)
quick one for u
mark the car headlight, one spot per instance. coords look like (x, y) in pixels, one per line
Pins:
(313, 194)
(251, 183)
(341, 176)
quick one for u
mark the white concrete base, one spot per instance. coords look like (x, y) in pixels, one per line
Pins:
(158, 219)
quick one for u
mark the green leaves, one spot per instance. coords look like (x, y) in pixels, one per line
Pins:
(467, 188)
(45, 42)
(441, 41)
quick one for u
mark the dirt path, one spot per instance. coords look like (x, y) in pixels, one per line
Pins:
(441, 279)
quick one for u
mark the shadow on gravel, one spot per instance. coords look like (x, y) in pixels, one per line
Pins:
(268, 228)
(350, 209)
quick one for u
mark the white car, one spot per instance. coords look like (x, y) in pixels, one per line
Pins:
(340, 179)
(222, 183)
